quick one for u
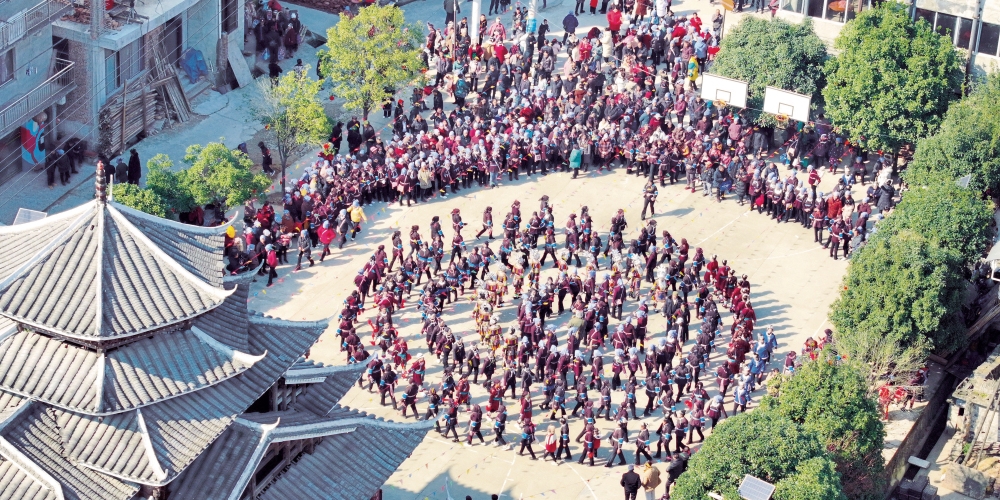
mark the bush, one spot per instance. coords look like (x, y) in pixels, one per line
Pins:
(166, 184)
(900, 290)
(767, 445)
(145, 200)
(814, 479)
(948, 215)
(832, 402)
(221, 176)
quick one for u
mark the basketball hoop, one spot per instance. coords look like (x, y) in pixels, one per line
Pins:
(782, 119)
(719, 103)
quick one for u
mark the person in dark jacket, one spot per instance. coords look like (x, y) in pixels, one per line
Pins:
(885, 194)
(265, 159)
(134, 167)
(450, 8)
(631, 483)
(274, 71)
(570, 22)
(63, 165)
(121, 172)
(337, 136)
(677, 467)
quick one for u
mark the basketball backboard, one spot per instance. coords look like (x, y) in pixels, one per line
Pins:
(784, 102)
(755, 489)
(719, 88)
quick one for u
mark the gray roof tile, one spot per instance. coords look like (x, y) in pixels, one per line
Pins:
(336, 470)
(323, 397)
(15, 484)
(225, 468)
(181, 428)
(218, 471)
(135, 375)
(36, 434)
(101, 277)
(228, 323)
(24, 240)
(199, 250)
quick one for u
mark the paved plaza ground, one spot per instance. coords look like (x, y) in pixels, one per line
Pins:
(793, 283)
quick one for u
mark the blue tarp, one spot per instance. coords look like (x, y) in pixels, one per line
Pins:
(193, 63)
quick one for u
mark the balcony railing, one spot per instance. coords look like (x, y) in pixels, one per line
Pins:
(38, 98)
(24, 22)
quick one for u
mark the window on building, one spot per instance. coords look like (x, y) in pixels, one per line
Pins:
(964, 33)
(124, 65)
(946, 25)
(230, 16)
(6, 66)
(989, 38)
(815, 8)
(926, 15)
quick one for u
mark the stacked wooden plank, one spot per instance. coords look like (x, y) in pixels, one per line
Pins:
(165, 78)
(131, 111)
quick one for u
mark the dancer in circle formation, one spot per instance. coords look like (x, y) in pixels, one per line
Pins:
(681, 377)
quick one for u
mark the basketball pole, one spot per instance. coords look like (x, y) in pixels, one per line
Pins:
(477, 9)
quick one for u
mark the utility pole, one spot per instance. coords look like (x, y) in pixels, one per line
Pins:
(977, 22)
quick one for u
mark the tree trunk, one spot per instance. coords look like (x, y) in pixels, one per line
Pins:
(283, 157)
(366, 107)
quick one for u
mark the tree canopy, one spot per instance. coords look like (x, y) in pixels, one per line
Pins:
(145, 200)
(165, 183)
(772, 53)
(950, 216)
(371, 55)
(892, 80)
(221, 176)
(767, 445)
(968, 142)
(833, 402)
(899, 291)
(290, 110)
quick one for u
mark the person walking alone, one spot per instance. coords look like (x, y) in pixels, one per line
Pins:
(631, 482)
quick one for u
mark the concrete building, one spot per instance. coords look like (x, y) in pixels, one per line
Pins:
(34, 79)
(115, 45)
(973, 25)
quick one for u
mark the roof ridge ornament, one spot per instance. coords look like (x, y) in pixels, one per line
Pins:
(101, 184)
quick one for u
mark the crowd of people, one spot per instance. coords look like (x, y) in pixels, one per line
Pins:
(626, 97)
(601, 363)
(277, 32)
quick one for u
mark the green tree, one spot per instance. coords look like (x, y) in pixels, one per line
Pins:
(772, 53)
(294, 119)
(815, 478)
(221, 176)
(892, 79)
(947, 214)
(968, 142)
(370, 56)
(900, 292)
(166, 184)
(833, 402)
(767, 445)
(145, 200)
